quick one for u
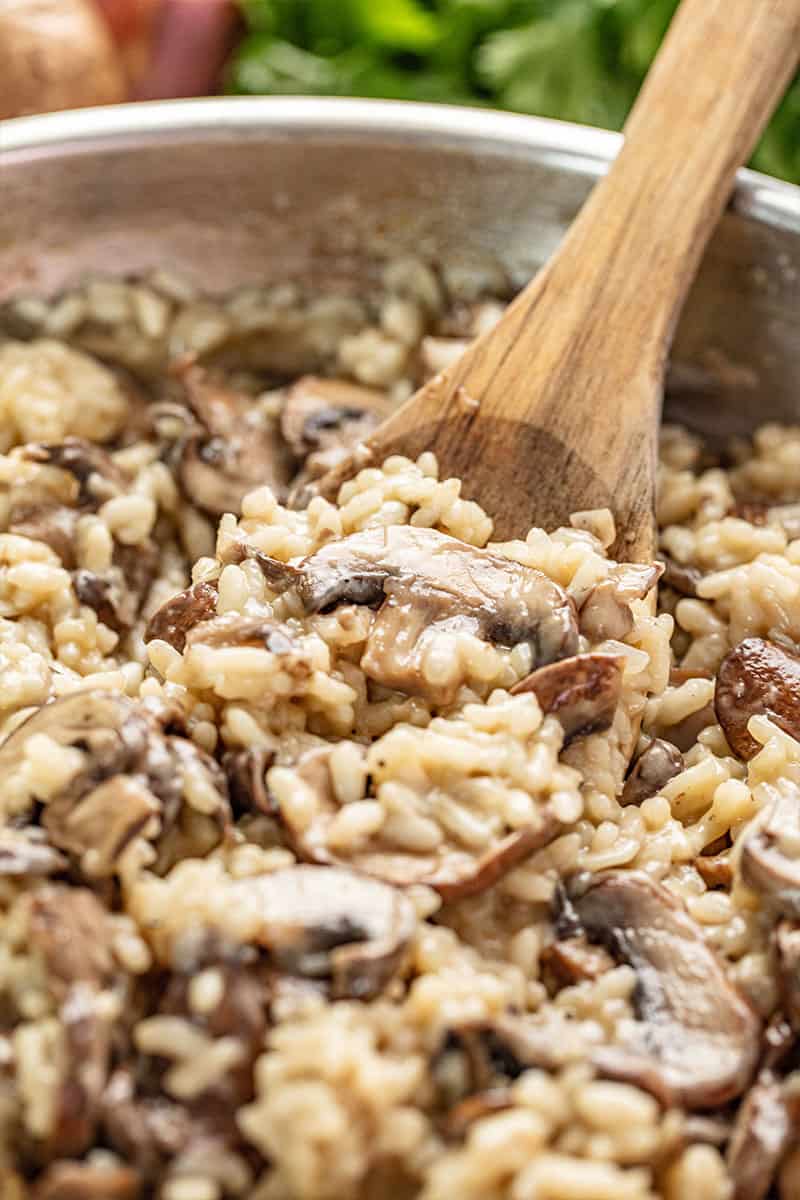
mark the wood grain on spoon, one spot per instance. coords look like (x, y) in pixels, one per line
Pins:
(556, 409)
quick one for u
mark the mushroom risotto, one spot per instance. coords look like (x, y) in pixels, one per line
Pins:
(348, 854)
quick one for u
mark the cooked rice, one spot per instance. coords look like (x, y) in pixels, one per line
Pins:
(184, 1055)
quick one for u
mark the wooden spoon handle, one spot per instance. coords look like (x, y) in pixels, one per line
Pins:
(719, 74)
(556, 408)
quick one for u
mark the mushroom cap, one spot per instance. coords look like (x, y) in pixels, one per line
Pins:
(583, 691)
(696, 1039)
(770, 855)
(334, 925)
(757, 677)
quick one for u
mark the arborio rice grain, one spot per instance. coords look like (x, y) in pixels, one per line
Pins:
(324, 872)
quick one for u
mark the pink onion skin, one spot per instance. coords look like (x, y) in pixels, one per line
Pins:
(191, 43)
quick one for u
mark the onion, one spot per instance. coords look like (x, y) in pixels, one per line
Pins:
(56, 54)
(191, 41)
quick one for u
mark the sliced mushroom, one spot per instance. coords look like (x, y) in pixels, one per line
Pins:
(146, 1131)
(52, 516)
(129, 784)
(116, 606)
(477, 1058)
(236, 452)
(455, 871)
(770, 857)
(71, 930)
(459, 1118)
(787, 948)
(234, 630)
(573, 960)
(659, 762)
(757, 677)
(138, 566)
(173, 620)
(758, 512)
(279, 576)
(26, 852)
(684, 734)
(696, 1040)
(49, 523)
(422, 583)
(238, 1009)
(88, 1181)
(98, 827)
(583, 691)
(681, 577)
(95, 472)
(606, 612)
(246, 771)
(332, 925)
(323, 419)
(49, 512)
(761, 1136)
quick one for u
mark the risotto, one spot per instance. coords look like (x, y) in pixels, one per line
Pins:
(347, 853)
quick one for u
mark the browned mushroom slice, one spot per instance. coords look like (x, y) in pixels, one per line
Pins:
(453, 870)
(423, 582)
(754, 678)
(477, 1057)
(681, 577)
(234, 630)
(237, 451)
(787, 947)
(606, 611)
(71, 930)
(696, 1039)
(279, 576)
(52, 524)
(323, 419)
(761, 1136)
(573, 960)
(173, 620)
(95, 472)
(659, 762)
(770, 859)
(458, 1120)
(246, 771)
(759, 512)
(26, 852)
(146, 1131)
(115, 604)
(130, 781)
(50, 515)
(454, 873)
(90, 719)
(583, 691)
(237, 1008)
(138, 566)
(88, 1181)
(332, 925)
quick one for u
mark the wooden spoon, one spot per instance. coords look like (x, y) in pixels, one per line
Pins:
(556, 409)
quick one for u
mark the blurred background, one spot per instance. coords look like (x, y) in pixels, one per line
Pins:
(578, 60)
